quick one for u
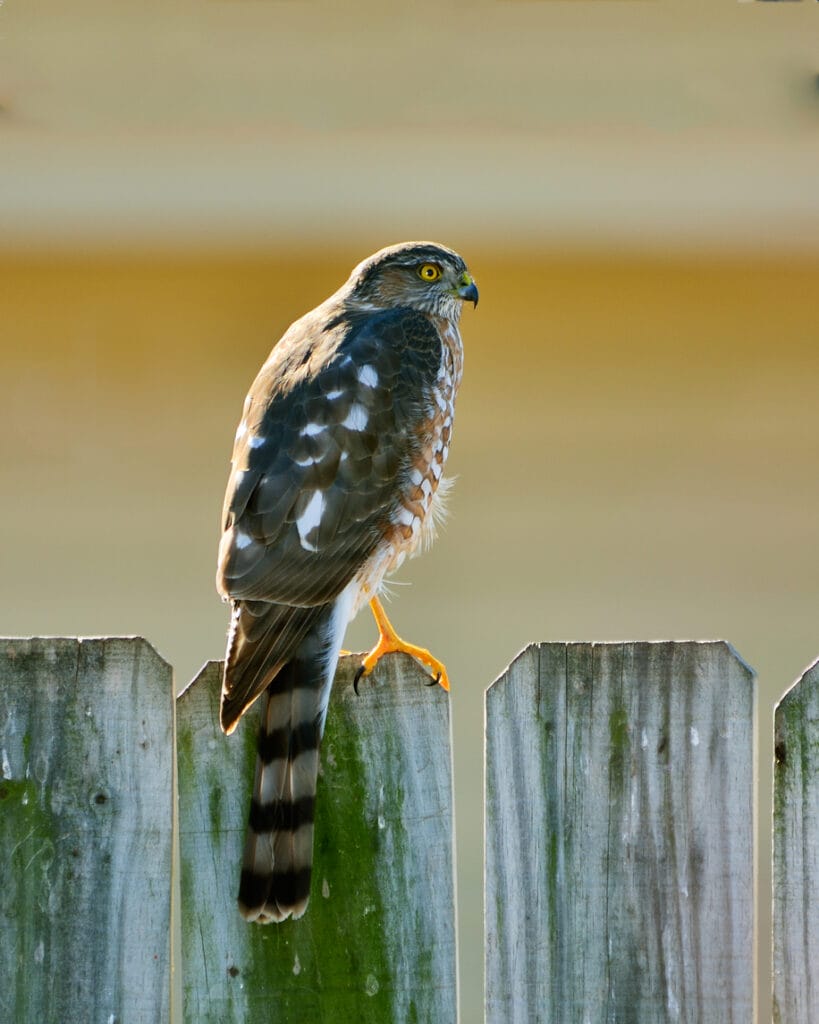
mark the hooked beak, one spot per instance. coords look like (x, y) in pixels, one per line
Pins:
(468, 290)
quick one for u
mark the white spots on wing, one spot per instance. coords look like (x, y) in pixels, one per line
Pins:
(240, 430)
(310, 520)
(368, 376)
(356, 418)
(416, 477)
(440, 401)
(243, 540)
(331, 396)
(308, 461)
(437, 469)
(405, 516)
(311, 429)
(343, 457)
(426, 488)
(257, 442)
(694, 736)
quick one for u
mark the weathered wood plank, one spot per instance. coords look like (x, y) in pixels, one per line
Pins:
(619, 833)
(378, 940)
(85, 843)
(796, 853)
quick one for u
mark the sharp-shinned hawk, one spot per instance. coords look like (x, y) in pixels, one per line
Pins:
(336, 471)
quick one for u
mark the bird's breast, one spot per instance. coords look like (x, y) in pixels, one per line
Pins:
(420, 505)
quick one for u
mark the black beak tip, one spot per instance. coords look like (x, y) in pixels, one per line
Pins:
(469, 293)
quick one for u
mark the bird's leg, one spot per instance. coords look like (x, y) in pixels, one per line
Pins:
(388, 641)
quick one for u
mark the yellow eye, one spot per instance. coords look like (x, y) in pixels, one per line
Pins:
(429, 272)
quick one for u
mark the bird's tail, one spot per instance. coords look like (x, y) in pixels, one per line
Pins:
(278, 854)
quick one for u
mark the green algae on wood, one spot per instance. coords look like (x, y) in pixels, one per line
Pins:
(378, 940)
(619, 835)
(796, 853)
(85, 830)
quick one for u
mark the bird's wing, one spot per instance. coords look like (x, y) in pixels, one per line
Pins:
(332, 426)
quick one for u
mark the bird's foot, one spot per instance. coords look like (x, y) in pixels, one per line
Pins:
(389, 641)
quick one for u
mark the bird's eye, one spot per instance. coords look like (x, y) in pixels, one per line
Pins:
(429, 272)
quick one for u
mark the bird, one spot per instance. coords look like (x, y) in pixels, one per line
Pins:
(336, 478)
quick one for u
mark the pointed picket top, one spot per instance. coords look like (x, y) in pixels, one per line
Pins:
(378, 940)
(796, 852)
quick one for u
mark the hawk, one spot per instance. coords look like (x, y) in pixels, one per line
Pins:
(336, 472)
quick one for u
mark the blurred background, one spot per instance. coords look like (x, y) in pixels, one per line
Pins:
(634, 187)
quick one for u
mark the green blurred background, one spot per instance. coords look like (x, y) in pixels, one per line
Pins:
(634, 189)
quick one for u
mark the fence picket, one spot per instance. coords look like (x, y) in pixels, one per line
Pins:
(619, 835)
(796, 853)
(85, 843)
(378, 940)
(619, 867)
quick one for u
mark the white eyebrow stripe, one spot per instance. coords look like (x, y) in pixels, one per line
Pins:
(311, 429)
(356, 418)
(368, 376)
(310, 520)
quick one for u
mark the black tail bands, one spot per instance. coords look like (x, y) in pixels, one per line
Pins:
(276, 869)
(291, 888)
(278, 816)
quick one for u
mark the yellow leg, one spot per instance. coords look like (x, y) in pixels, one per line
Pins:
(389, 640)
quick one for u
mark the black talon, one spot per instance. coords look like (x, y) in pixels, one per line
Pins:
(357, 679)
(435, 681)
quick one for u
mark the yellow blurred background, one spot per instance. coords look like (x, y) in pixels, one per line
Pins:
(637, 436)
(636, 453)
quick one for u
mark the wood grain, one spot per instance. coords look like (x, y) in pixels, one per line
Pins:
(619, 832)
(378, 940)
(85, 844)
(796, 853)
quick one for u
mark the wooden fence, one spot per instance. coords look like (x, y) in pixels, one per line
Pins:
(619, 844)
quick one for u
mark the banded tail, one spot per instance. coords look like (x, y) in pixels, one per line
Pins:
(278, 854)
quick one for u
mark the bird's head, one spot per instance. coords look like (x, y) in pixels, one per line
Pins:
(423, 275)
